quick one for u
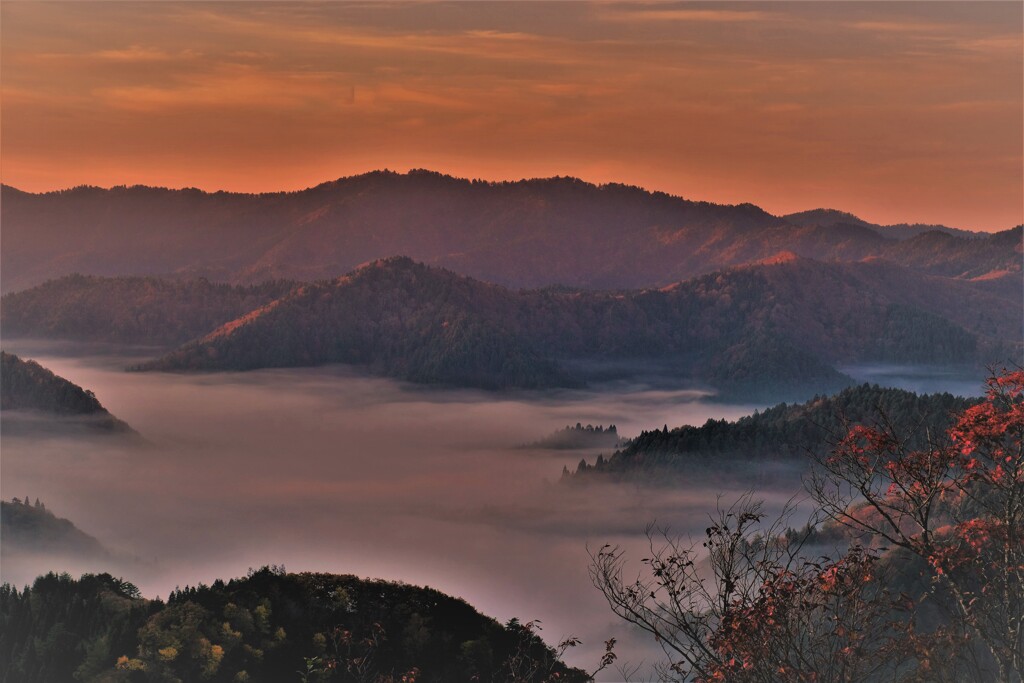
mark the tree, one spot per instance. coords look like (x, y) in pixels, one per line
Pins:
(744, 605)
(747, 605)
(957, 503)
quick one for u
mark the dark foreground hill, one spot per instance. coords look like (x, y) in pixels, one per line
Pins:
(783, 432)
(530, 233)
(31, 395)
(269, 627)
(775, 326)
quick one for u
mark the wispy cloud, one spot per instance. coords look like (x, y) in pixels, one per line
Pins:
(900, 26)
(231, 86)
(139, 53)
(687, 15)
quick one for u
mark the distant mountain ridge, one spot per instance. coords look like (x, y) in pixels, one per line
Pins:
(827, 218)
(529, 233)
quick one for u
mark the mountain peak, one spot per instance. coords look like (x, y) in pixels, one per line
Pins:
(824, 218)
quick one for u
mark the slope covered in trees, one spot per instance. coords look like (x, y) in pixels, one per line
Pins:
(927, 583)
(530, 233)
(30, 527)
(781, 432)
(27, 386)
(130, 310)
(771, 325)
(268, 627)
(828, 218)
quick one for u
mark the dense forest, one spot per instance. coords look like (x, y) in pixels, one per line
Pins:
(785, 431)
(779, 325)
(910, 567)
(773, 329)
(831, 218)
(30, 527)
(270, 626)
(130, 310)
(28, 386)
(530, 233)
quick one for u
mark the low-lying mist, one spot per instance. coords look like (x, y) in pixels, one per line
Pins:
(324, 469)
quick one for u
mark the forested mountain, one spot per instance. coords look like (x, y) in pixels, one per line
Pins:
(27, 386)
(759, 326)
(782, 432)
(268, 627)
(530, 233)
(30, 527)
(828, 218)
(131, 310)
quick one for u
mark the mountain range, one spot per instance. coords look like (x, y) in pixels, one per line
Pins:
(529, 233)
(781, 324)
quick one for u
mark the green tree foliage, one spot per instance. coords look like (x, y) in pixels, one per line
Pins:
(29, 386)
(62, 629)
(270, 626)
(781, 432)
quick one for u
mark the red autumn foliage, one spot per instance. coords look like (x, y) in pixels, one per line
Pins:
(755, 610)
(957, 503)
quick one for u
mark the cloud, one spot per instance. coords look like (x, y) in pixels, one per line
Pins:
(688, 15)
(899, 26)
(138, 53)
(1006, 45)
(699, 100)
(228, 86)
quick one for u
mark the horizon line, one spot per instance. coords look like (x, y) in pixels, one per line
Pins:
(489, 181)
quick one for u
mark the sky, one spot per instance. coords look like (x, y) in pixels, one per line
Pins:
(898, 112)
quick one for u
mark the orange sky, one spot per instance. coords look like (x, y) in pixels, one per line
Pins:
(894, 111)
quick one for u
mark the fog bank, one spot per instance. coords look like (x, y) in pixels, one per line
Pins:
(324, 469)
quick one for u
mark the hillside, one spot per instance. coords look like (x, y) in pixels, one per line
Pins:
(395, 317)
(782, 432)
(130, 310)
(753, 327)
(26, 527)
(828, 218)
(529, 233)
(265, 628)
(29, 389)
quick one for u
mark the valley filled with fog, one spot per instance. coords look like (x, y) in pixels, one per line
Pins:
(325, 469)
